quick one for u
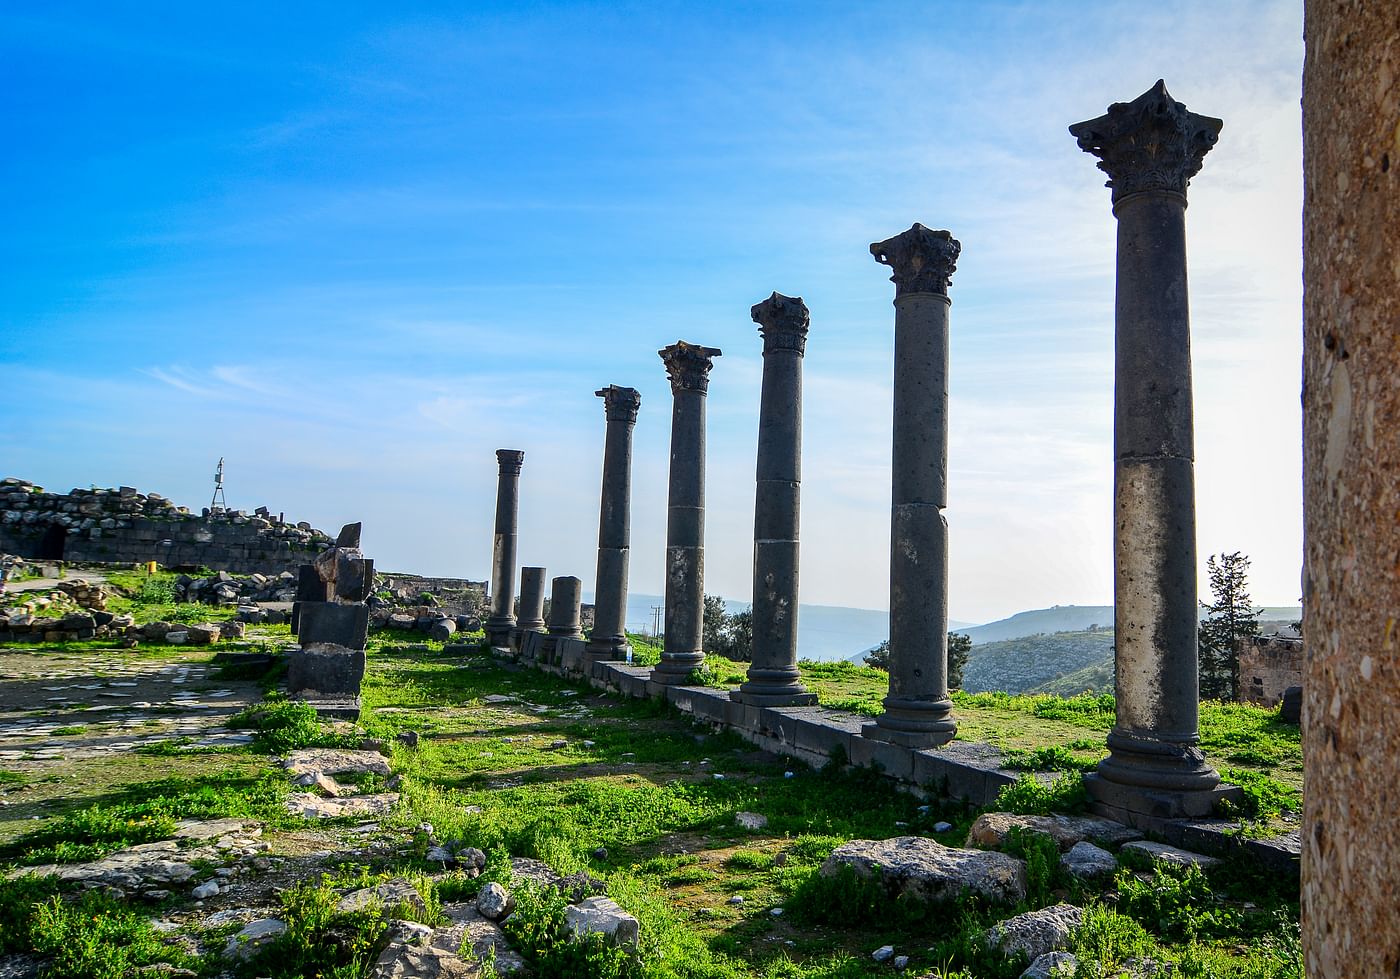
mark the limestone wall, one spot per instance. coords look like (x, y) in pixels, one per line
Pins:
(1269, 665)
(123, 526)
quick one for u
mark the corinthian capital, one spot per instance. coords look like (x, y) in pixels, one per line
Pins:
(620, 404)
(510, 461)
(1150, 143)
(688, 365)
(783, 321)
(923, 260)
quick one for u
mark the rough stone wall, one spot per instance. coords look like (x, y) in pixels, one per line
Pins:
(1351, 481)
(122, 526)
(1269, 665)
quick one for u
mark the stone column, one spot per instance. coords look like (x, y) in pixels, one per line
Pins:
(688, 366)
(1351, 454)
(773, 678)
(531, 600)
(918, 712)
(502, 618)
(565, 608)
(609, 638)
(1150, 148)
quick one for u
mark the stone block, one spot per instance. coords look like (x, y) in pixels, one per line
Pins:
(894, 760)
(328, 623)
(325, 670)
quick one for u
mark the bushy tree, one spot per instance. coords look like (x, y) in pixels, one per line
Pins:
(727, 635)
(959, 646)
(1230, 619)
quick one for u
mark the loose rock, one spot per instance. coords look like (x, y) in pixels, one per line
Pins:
(926, 870)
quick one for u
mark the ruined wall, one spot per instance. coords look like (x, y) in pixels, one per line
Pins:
(1351, 461)
(122, 526)
(1269, 665)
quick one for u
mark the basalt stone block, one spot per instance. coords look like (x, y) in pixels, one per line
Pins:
(354, 577)
(340, 625)
(325, 670)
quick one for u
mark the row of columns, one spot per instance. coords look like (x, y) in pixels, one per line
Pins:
(1150, 148)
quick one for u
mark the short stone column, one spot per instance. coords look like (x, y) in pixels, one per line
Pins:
(566, 608)
(918, 712)
(773, 680)
(531, 600)
(688, 366)
(1150, 148)
(609, 638)
(501, 621)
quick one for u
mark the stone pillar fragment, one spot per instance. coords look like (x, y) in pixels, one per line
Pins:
(501, 621)
(918, 712)
(566, 608)
(531, 600)
(773, 679)
(1150, 148)
(688, 366)
(609, 638)
(1351, 455)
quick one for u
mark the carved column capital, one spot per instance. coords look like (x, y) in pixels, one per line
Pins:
(619, 403)
(783, 322)
(923, 260)
(688, 365)
(1151, 143)
(510, 461)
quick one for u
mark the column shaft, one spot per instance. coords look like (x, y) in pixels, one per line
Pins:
(1150, 148)
(918, 711)
(688, 366)
(502, 618)
(773, 678)
(609, 638)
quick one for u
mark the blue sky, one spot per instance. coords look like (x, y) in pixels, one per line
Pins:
(355, 248)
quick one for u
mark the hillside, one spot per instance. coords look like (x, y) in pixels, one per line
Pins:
(1058, 618)
(1017, 665)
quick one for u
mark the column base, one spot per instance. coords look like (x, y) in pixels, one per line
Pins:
(607, 648)
(913, 723)
(675, 668)
(1144, 807)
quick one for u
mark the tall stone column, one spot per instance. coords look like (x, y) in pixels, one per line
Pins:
(773, 678)
(688, 366)
(918, 712)
(1351, 455)
(609, 638)
(502, 618)
(531, 600)
(1150, 148)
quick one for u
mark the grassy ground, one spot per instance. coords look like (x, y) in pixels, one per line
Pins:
(522, 763)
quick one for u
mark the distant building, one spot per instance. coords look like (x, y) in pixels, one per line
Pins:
(1269, 665)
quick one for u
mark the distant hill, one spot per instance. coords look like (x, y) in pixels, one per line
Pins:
(1058, 618)
(1076, 618)
(1095, 678)
(1018, 665)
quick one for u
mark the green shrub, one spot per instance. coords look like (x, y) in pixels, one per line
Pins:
(1030, 798)
(1176, 903)
(286, 725)
(97, 937)
(536, 928)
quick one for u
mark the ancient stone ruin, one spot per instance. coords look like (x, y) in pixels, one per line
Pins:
(332, 624)
(123, 526)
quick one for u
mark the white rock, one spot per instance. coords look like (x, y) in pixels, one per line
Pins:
(1170, 854)
(254, 935)
(602, 916)
(1086, 861)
